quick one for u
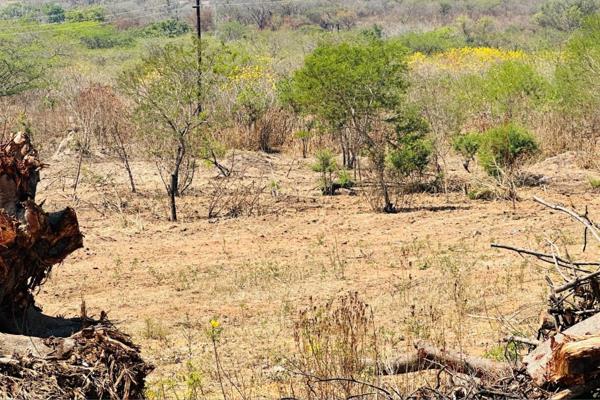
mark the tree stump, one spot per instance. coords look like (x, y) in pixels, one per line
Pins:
(31, 240)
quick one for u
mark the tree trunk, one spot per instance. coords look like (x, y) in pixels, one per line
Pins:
(122, 151)
(172, 192)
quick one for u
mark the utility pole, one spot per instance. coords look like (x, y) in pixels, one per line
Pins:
(199, 52)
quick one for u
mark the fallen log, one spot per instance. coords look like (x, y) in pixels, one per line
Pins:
(575, 361)
(430, 357)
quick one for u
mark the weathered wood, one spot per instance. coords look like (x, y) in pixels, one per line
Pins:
(430, 357)
(575, 361)
(583, 219)
(538, 361)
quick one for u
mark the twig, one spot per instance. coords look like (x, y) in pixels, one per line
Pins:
(519, 339)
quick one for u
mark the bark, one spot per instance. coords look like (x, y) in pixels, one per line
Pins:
(575, 361)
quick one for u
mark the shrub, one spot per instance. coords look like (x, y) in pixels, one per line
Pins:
(467, 146)
(84, 14)
(345, 180)
(327, 166)
(412, 156)
(55, 13)
(166, 28)
(17, 11)
(335, 340)
(432, 41)
(411, 149)
(503, 149)
(594, 183)
(304, 136)
(106, 40)
(565, 15)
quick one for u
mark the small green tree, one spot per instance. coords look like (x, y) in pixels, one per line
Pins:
(327, 166)
(55, 13)
(168, 28)
(353, 88)
(578, 77)
(163, 87)
(408, 151)
(566, 15)
(501, 151)
(93, 13)
(24, 65)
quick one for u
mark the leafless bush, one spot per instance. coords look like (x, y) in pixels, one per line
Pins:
(333, 343)
(235, 196)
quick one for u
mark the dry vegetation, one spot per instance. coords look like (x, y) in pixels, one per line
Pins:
(426, 274)
(292, 205)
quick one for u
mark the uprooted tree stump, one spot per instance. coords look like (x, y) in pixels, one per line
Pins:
(59, 358)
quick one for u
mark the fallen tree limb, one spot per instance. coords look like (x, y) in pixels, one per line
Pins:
(519, 339)
(583, 219)
(575, 361)
(576, 282)
(549, 258)
(575, 391)
(430, 357)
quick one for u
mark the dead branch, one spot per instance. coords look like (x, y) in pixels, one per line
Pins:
(430, 357)
(581, 218)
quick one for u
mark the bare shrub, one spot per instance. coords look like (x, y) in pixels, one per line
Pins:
(234, 196)
(333, 343)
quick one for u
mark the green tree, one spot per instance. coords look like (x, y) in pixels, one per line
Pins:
(163, 87)
(578, 77)
(83, 14)
(55, 13)
(566, 15)
(168, 28)
(353, 88)
(24, 65)
(501, 151)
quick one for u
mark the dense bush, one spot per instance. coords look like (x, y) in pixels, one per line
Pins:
(566, 15)
(55, 13)
(17, 10)
(410, 148)
(433, 41)
(105, 39)
(166, 28)
(501, 152)
(83, 14)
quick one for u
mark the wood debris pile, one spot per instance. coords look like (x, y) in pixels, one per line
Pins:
(95, 363)
(564, 364)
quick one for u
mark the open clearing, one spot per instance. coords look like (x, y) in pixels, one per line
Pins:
(428, 272)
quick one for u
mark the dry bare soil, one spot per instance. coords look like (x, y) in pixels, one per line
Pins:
(428, 272)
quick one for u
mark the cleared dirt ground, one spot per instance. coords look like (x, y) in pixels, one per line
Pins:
(428, 272)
